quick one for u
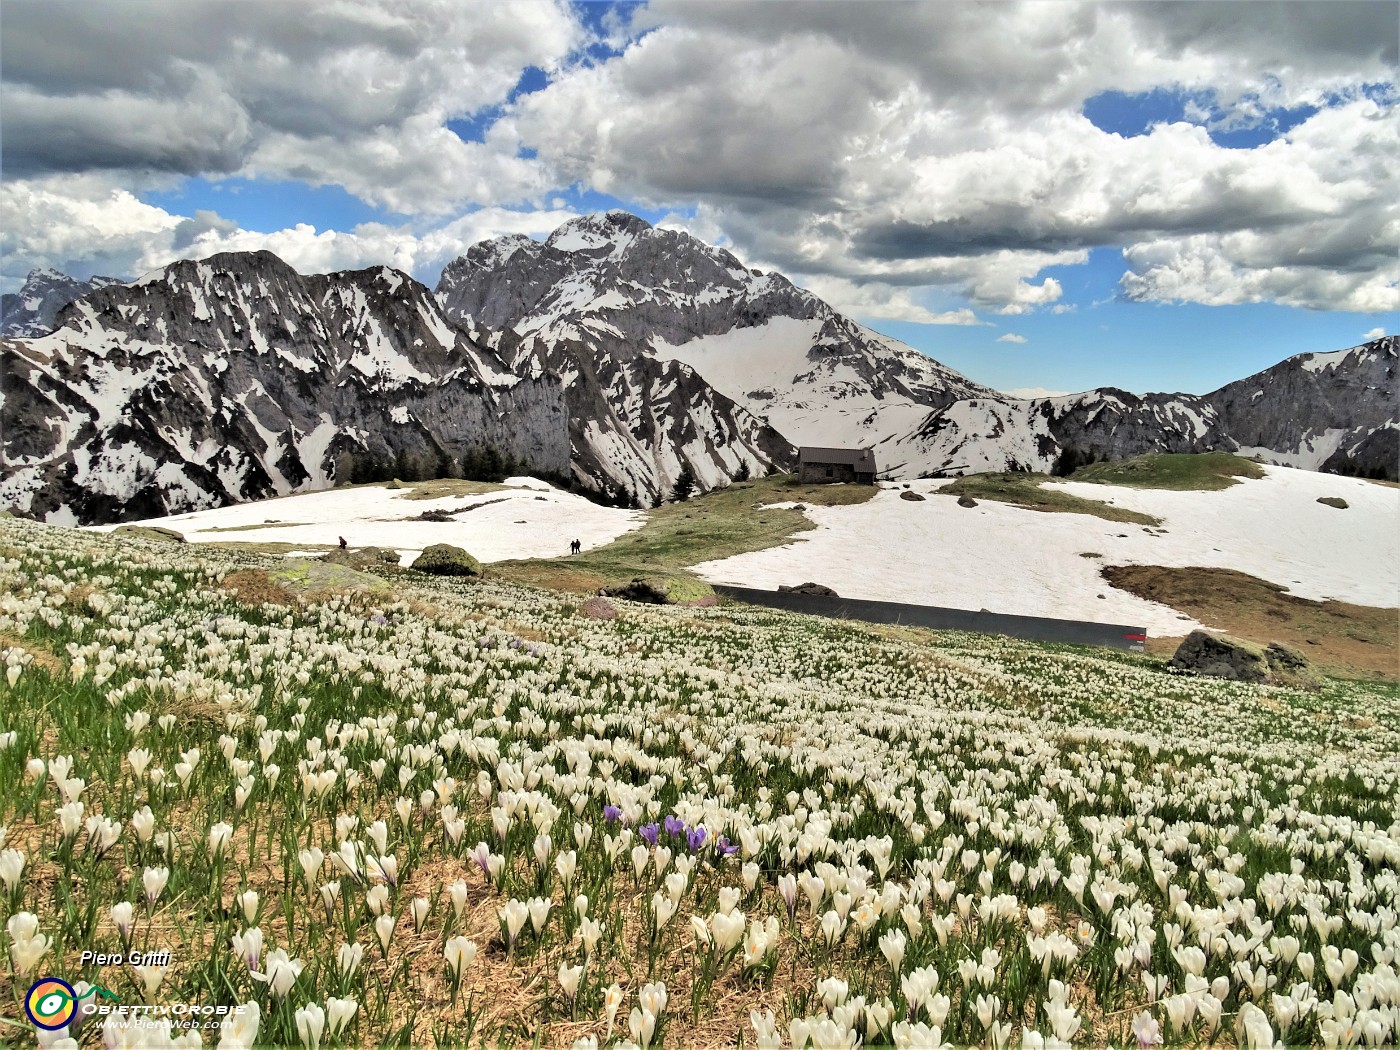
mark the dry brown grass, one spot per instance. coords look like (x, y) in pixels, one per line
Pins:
(255, 587)
(1356, 641)
(277, 550)
(554, 576)
(443, 487)
(256, 528)
(42, 657)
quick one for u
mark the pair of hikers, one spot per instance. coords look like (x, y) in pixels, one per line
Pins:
(576, 547)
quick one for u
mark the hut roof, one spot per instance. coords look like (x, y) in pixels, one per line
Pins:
(862, 459)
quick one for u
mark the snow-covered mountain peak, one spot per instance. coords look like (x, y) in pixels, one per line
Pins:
(629, 313)
(33, 310)
(609, 233)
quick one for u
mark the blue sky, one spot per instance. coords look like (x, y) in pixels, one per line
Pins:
(1159, 197)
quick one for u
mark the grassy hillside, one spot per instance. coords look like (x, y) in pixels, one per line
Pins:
(716, 525)
(472, 816)
(1207, 471)
(1204, 471)
(1035, 492)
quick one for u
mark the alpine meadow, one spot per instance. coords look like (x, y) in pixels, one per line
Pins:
(639, 524)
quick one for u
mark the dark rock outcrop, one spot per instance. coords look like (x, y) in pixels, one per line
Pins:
(816, 589)
(1211, 656)
(666, 590)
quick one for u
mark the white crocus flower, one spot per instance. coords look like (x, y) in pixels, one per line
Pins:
(281, 973)
(384, 931)
(459, 953)
(348, 958)
(311, 1024)
(339, 1013)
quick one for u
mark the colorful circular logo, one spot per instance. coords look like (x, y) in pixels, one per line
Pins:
(50, 1003)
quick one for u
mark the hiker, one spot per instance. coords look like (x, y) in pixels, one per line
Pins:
(342, 543)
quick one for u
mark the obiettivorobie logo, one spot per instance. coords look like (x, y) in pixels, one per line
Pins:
(51, 1002)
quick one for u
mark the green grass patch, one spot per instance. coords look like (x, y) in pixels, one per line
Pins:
(257, 528)
(1197, 472)
(1031, 492)
(719, 524)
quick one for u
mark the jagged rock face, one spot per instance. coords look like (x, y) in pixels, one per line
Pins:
(237, 378)
(673, 352)
(33, 310)
(613, 348)
(1333, 411)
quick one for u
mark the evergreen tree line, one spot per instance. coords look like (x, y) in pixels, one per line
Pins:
(488, 463)
(1070, 460)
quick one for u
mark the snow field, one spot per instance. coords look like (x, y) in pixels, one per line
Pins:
(1010, 560)
(528, 519)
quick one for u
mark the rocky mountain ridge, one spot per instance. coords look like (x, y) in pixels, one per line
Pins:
(612, 349)
(236, 378)
(1318, 411)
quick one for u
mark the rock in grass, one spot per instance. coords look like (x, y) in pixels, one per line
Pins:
(1333, 501)
(155, 533)
(1282, 658)
(598, 608)
(304, 578)
(443, 559)
(1211, 656)
(666, 590)
(363, 557)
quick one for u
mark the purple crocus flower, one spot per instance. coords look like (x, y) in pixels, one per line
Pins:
(695, 839)
(674, 825)
(725, 847)
(612, 814)
(650, 833)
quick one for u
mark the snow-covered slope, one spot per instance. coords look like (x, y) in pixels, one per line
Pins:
(237, 378)
(33, 310)
(1335, 412)
(1008, 560)
(526, 519)
(744, 365)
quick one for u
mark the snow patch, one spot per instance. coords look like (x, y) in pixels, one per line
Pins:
(1009, 560)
